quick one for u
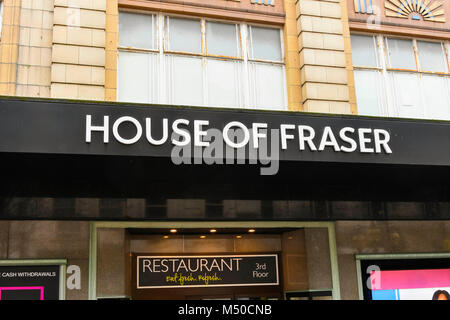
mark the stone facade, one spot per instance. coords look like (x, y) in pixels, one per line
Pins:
(9, 46)
(78, 51)
(384, 237)
(49, 240)
(35, 49)
(68, 48)
(323, 64)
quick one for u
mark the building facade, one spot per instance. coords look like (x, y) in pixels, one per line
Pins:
(93, 94)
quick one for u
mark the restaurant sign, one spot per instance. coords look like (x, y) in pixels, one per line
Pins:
(207, 271)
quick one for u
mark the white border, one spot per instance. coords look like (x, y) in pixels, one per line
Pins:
(209, 285)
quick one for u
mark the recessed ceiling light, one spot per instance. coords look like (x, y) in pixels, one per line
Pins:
(251, 230)
(173, 230)
(213, 230)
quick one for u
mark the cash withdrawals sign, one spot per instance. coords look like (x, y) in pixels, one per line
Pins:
(207, 271)
(30, 282)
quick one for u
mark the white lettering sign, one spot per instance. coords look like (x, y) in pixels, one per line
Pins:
(237, 135)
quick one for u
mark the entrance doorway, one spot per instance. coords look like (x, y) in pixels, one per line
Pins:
(305, 261)
(174, 254)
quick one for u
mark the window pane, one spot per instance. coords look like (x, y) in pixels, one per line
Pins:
(185, 80)
(223, 83)
(267, 86)
(221, 39)
(266, 44)
(184, 35)
(435, 89)
(401, 54)
(363, 51)
(407, 97)
(136, 77)
(431, 56)
(367, 92)
(136, 30)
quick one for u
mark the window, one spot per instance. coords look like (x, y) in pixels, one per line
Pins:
(431, 56)
(138, 57)
(401, 54)
(188, 61)
(401, 77)
(222, 39)
(137, 30)
(367, 75)
(266, 70)
(364, 51)
(183, 35)
(184, 71)
(265, 44)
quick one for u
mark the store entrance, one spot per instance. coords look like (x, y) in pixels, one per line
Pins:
(197, 264)
(201, 263)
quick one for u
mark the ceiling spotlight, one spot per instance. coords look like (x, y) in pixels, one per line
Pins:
(251, 230)
(213, 230)
(173, 230)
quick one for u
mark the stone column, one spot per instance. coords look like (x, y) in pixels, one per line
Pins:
(35, 48)
(112, 39)
(78, 55)
(9, 47)
(324, 77)
(292, 58)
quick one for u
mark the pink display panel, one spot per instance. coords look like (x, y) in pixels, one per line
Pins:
(410, 279)
(425, 284)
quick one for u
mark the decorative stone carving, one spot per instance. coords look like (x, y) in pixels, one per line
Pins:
(426, 10)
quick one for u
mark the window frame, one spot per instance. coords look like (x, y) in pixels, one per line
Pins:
(382, 89)
(156, 41)
(444, 45)
(387, 103)
(387, 57)
(160, 27)
(164, 33)
(445, 56)
(250, 44)
(203, 21)
(239, 40)
(379, 65)
(242, 40)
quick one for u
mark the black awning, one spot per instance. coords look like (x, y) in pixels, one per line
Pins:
(119, 129)
(49, 160)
